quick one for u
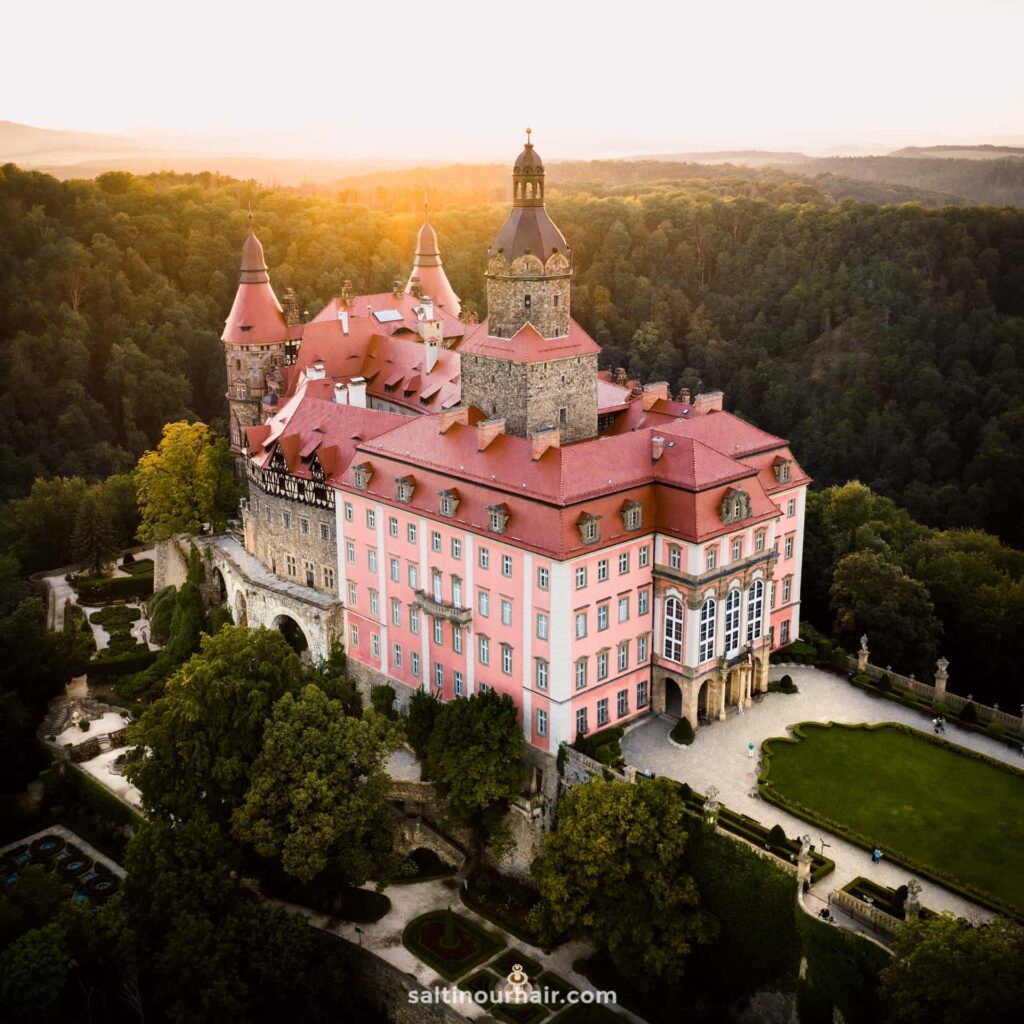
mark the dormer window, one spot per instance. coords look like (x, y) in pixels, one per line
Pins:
(632, 515)
(404, 487)
(783, 469)
(589, 526)
(361, 475)
(735, 506)
(449, 503)
(497, 518)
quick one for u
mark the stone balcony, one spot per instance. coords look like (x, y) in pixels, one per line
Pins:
(442, 610)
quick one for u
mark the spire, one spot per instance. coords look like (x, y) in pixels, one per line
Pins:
(256, 316)
(428, 270)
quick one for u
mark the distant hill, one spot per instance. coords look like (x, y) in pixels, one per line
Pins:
(984, 152)
(746, 157)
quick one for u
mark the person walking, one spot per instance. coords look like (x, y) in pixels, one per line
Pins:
(750, 749)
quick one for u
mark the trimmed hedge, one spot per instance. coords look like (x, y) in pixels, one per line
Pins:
(121, 664)
(487, 944)
(76, 786)
(104, 591)
(590, 742)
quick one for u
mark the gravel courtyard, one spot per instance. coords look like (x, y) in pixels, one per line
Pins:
(718, 757)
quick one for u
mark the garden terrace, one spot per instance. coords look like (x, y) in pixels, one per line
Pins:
(951, 814)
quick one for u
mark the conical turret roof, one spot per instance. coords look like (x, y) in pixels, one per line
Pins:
(256, 317)
(427, 267)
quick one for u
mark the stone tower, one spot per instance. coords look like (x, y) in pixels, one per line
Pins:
(254, 338)
(529, 363)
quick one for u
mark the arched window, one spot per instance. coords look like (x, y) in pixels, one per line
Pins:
(732, 622)
(707, 630)
(672, 645)
(755, 610)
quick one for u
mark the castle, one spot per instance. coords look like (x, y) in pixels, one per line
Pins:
(470, 506)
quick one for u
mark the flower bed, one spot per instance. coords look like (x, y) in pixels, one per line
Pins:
(471, 945)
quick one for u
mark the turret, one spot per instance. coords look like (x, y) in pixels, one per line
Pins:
(529, 266)
(254, 338)
(428, 276)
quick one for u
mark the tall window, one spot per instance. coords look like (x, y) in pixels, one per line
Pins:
(484, 645)
(710, 558)
(602, 616)
(581, 673)
(789, 547)
(506, 612)
(643, 601)
(707, 630)
(542, 626)
(456, 591)
(414, 575)
(581, 625)
(581, 577)
(436, 584)
(581, 721)
(543, 576)
(737, 549)
(787, 589)
(414, 620)
(439, 676)
(435, 541)
(732, 622)
(392, 526)
(438, 631)
(641, 695)
(506, 659)
(623, 562)
(458, 683)
(396, 612)
(623, 655)
(484, 557)
(374, 604)
(542, 722)
(644, 556)
(602, 711)
(622, 703)
(784, 632)
(674, 557)
(410, 533)
(623, 609)
(396, 570)
(542, 674)
(602, 665)
(641, 647)
(602, 570)
(457, 639)
(672, 648)
(456, 547)
(483, 603)
(506, 565)
(415, 663)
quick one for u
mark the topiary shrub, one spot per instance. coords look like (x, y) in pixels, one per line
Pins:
(84, 725)
(940, 707)
(996, 729)
(899, 899)
(382, 700)
(605, 754)
(839, 661)
(862, 679)
(777, 838)
(884, 682)
(685, 791)
(969, 713)
(682, 732)
(786, 684)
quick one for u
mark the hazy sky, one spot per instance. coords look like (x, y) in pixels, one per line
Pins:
(457, 78)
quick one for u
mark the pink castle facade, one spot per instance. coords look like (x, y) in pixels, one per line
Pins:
(592, 548)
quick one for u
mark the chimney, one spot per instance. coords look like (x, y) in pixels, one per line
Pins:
(430, 351)
(447, 418)
(346, 292)
(654, 392)
(545, 439)
(657, 448)
(414, 286)
(396, 288)
(487, 431)
(683, 396)
(340, 394)
(316, 370)
(710, 402)
(357, 392)
(343, 320)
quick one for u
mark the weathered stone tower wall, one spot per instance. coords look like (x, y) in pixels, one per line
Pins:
(528, 291)
(532, 397)
(247, 370)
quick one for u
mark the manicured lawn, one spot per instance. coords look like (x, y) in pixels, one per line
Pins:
(471, 945)
(953, 815)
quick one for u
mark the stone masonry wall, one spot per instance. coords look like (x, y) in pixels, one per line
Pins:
(507, 311)
(530, 396)
(273, 542)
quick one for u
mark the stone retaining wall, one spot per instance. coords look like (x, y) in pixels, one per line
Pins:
(866, 912)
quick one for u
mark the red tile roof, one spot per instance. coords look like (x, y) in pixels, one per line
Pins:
(527, 345)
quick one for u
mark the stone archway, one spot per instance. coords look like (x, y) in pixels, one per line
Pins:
(702, 701)
(673, 698)
(221, 588)
(293, 633)
(241, 610)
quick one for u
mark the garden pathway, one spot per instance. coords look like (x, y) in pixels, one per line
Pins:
(718, 757)
(384, 937)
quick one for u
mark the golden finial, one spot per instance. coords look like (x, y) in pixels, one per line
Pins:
(529, 132)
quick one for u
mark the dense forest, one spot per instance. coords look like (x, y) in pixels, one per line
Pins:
(886, 342)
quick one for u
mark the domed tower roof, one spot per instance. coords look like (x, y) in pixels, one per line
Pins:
(529, 229)
(256, 317)
(428, 272)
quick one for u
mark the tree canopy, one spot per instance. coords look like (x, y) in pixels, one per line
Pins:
(317, 790)
(945, 971)
(185, 483)
(614, 871)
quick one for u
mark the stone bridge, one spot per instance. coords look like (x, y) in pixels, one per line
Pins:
(254, 595)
